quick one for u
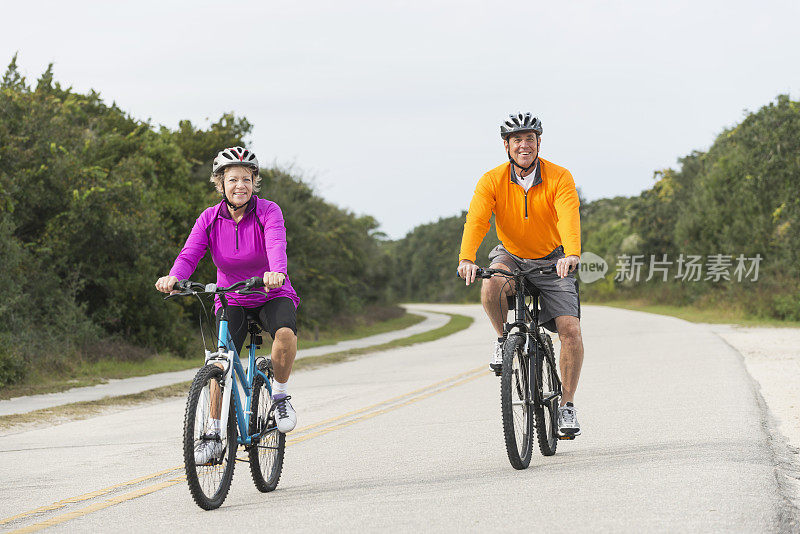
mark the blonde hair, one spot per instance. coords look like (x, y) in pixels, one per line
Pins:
(218, 177)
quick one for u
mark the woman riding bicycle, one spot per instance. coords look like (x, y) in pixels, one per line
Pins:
(247, 238)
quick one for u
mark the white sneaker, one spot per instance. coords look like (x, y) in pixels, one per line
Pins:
(210, 448)
(496, 362)
(284, 413)
(568, 421)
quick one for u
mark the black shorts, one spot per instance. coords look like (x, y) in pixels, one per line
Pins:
(272, 315)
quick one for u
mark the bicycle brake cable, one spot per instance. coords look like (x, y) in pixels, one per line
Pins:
(200, 319)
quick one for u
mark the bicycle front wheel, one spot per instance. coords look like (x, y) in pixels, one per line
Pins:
(547, 400)
(209, 457)
(266, 451)
(515, 401)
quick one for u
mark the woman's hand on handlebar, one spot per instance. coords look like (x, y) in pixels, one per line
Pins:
(468, 271)
(165, 284)
(273, 280)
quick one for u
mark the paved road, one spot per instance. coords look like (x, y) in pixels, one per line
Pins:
(128, 386)
(675, 439)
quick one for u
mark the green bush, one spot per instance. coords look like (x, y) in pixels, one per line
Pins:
(12, 367)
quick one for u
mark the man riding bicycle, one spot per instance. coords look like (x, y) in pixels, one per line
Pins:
(535, 204)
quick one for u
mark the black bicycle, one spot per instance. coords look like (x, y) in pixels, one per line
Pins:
(530, 388)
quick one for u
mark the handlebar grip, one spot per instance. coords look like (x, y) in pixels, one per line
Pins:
(181, 285)
(256, 281)
(478, 274)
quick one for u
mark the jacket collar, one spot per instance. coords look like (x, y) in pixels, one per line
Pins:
(223, 207)
(537, 171)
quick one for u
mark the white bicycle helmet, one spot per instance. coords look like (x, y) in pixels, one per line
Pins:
(234, 155)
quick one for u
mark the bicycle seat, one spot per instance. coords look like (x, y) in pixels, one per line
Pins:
(253, 326)
(530, 289)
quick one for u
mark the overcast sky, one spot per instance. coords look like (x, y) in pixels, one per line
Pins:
(393, 108)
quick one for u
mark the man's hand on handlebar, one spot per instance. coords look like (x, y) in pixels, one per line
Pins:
(165, 284)
(564, 266)
(468, 271)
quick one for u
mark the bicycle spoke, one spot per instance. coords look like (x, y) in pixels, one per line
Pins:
(209, 482)
(266, 458)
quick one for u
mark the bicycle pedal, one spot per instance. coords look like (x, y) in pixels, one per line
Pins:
(565, 437)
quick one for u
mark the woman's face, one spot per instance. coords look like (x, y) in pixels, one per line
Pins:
(238, 184)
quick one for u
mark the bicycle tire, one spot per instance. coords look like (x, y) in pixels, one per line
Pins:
(266, 454)
(546, 417)
(208, 483)
(515, 402)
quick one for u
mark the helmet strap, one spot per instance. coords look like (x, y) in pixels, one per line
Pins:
(233, 206)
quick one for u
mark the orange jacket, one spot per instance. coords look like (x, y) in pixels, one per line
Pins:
(530, 225)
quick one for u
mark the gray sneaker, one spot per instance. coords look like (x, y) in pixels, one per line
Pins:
(496, 362)
(208, 450)
(568, 421)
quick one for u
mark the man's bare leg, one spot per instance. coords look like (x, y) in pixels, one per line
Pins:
(571, 358)
(495, 304)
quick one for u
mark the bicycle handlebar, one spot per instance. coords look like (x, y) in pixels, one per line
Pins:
(488, 272)
(187, 287)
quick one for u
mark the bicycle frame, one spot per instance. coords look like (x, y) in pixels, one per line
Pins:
(523, 311)
(236, 376)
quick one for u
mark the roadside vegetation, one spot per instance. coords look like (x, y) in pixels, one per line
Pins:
(738, 198)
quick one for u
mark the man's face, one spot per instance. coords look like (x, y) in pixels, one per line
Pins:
(523, 147)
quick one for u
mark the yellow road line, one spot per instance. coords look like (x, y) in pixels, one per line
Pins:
(380, 412)
(389, 401)
(162, 485)
(99, 506)
(87, 496)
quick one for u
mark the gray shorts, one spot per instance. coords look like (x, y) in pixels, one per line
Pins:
(559, 296)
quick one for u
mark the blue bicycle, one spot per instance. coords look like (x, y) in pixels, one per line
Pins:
(209, 452)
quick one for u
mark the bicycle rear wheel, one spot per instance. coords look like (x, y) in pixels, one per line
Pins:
(266, 452)
(515, 401)
(208, 482)
(547, 385)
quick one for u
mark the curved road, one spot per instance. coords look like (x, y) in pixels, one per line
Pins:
(675, 438)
